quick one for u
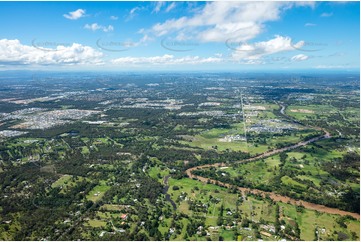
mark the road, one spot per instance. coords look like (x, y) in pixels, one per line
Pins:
(272, 195)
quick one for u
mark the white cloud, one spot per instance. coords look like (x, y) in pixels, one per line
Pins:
(300, 57)
(144, 40)
(96, 27)
(12, 52)
(310, 4)
(133, 13)
(310, 24)
(75, 15)
(114, 17)
(325, 15)
(253, 62)
(258, 50)
(158, 6)
(221, 21)
(166, 60)
(133, 10)
(170, 7)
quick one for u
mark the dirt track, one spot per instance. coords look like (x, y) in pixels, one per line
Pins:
(278, 198)
(272, 195)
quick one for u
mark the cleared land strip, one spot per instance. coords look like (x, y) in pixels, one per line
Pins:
(272, 195)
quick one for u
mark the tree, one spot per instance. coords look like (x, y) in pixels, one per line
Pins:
(141, 237)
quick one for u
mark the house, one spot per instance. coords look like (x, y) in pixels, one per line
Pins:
(67, 221)
(124, 216)
(265, 234)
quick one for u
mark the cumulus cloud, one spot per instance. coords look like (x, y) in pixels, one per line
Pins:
(75, 15)
(96, 27)
(114, 17)
(300, 57)
(221, 21)
(12, 52)
(166, 60)
(325, 15)
(258, 50)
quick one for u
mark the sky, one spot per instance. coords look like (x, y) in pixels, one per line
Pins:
(189, 36)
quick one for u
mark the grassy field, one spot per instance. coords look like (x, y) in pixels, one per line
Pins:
(96, 223)
(158, 172)
(257, 172)
(67, 182)
(61, 181)
(309, 220)
(85, 150)
(197, 191)
(212, 138)
(97, 192)
(309, 111)
(303, 165)
(257, 210)
(288, 181)
(113, 207)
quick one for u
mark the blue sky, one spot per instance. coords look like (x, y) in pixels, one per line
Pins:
(223, 36)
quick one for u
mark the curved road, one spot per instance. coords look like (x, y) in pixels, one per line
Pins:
(272, 195)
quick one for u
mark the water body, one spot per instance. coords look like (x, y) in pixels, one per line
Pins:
(165, 192)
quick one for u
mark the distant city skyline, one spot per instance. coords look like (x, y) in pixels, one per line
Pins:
(180, 36)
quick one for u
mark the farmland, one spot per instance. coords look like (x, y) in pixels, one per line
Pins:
(187, 158)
